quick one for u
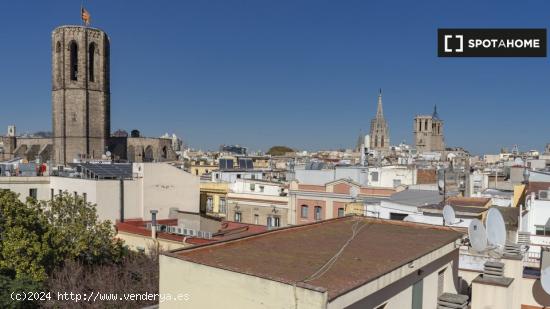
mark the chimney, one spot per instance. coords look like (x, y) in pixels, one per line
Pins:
(493, 269)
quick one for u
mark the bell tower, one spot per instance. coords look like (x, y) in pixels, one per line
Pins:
(80, 93)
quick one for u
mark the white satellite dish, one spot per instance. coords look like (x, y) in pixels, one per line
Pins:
(496, 230)
(477, 235)
(108, 153)
(545, 279)
(449, 216)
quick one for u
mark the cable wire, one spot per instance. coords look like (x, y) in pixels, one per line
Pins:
(355, 229)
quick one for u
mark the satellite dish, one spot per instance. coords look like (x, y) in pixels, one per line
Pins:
(545, 279)
(477, 235)
(496, 230)
(108, 153)
(449, 216)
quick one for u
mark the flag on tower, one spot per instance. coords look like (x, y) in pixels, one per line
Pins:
(85, 15)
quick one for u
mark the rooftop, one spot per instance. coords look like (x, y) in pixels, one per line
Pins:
(415, 197)
(292, 255)
(468, 201)
(536, 186)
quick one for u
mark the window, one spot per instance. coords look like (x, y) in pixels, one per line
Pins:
(60, 192)
(304, 210)
(318, 213)
(542, 230)
(238, 176)
(256, 219)
(51, 194)
(252, 187)
(261, 188)
(59, 62)
(275, 221)
(85, 197)
(397, 216)
(74, 60)
(396, 182)
(75, 195)
(91, 57)
(209, 205)
(33, 192)
(223, 208)
(238, 217)
(341, 212)
(441, 282)
(374, 176)
(417, 295)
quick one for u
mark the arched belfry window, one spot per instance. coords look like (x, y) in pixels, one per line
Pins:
(74, 60)
(58, 62)
(91, 65)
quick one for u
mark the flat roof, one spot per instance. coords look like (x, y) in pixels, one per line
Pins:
(415, 197)
(292, 255)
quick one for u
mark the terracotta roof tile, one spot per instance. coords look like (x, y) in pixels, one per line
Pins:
(292, 254)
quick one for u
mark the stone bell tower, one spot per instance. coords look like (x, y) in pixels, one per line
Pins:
(80, 93)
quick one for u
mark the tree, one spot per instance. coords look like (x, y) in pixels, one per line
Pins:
(37, 238)
(77, 234)
(138, 274)
(279, 150)
(25, 235)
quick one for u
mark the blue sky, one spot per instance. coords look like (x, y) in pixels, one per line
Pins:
(299, 73)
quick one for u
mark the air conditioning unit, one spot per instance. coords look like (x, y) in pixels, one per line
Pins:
(148, 226)
(191, 232)
(206, 235)
(179, 231)
(544, 194)
(162, 228)
(185, 231)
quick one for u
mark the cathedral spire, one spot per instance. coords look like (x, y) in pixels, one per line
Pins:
(435, 115)
(379, 110)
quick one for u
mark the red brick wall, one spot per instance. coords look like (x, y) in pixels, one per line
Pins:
(335, 206)
(311, 188)
(426, 176)
(341, 188)
(311, 210)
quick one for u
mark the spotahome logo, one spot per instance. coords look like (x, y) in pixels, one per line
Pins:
(491, 42)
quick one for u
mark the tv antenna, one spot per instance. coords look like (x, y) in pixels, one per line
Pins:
(492, 236)
(477, 235)
(545, 270)
(496, 229)
(449, 216)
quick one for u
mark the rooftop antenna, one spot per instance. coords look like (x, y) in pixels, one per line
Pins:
(449, 216)
(477, 235)
(545, 270)
(496, 229)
